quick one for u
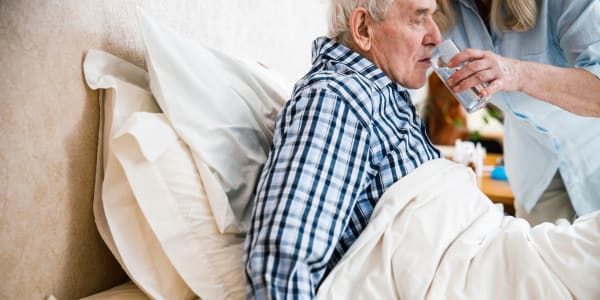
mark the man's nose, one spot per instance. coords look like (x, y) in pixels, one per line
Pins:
(434, 36)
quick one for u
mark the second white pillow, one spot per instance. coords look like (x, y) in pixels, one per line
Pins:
(223, 108)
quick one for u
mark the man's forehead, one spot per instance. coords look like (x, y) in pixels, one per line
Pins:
(418, 7)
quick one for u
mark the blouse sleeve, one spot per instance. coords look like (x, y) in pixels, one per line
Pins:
(577, 28)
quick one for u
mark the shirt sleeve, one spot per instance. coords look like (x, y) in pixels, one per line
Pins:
(578, 32)
(315, 172)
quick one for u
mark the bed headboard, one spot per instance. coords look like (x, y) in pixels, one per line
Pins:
(49, 118)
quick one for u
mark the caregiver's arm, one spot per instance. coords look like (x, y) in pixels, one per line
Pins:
(573, 89)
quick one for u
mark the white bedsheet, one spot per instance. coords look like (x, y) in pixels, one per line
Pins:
(434, 235)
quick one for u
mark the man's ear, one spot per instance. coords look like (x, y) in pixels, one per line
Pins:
(361, 28)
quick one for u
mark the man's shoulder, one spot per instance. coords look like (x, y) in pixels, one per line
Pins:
(350, 89)
(343, 84)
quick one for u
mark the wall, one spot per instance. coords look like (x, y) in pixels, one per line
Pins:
(49, 119)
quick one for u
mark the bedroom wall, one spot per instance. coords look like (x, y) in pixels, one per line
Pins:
(49, 119)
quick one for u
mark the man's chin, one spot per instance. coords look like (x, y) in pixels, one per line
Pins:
(416, 84)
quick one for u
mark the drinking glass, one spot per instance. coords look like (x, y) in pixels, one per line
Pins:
(470, 99)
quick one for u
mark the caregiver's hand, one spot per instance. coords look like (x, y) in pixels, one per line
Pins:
(573, 89)
(501, 73)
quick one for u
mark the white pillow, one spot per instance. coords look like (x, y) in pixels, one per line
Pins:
(124, 90)
(115, 78)
(172, 197)
(223, 108)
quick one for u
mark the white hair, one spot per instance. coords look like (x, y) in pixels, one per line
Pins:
(341, 10)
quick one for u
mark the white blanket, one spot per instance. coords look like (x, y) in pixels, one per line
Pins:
(435, 235)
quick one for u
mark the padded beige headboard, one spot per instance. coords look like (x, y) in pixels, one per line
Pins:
(49, 118)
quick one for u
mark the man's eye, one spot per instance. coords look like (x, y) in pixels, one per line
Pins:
(418, 21)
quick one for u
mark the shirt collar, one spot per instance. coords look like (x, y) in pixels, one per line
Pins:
(326, 48)
(468, 3)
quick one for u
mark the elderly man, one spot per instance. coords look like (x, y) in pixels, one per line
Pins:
(348, 132)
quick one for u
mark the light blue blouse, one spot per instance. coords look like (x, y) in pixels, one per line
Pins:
(539, 137)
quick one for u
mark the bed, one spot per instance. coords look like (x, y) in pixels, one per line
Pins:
(181, 127)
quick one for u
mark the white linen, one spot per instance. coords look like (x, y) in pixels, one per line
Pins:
(119, 220)
(434, 235)
(117, 80)
(172, 198)
(223, 108)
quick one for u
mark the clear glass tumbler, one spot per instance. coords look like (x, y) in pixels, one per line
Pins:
(470, 99)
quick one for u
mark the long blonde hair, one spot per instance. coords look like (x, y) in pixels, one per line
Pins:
(506, 15)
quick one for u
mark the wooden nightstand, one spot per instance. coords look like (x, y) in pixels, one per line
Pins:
(497, 190)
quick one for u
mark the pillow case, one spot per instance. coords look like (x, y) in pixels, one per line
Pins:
(170, 193)
(114, 78)
(124, 90)
(223, 108)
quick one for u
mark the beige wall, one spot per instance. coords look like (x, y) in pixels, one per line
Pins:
(49, 242)
(48, 119)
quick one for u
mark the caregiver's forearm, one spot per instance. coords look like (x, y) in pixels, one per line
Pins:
(573, 89)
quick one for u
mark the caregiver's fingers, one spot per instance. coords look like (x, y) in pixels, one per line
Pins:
(492, 88)
(466, 55)
(486, 67)
(473, 68)
(476, 79)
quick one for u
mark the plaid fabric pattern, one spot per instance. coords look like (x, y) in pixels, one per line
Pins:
(347, 133)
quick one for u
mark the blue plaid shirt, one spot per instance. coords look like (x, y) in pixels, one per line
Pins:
(347, 133)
